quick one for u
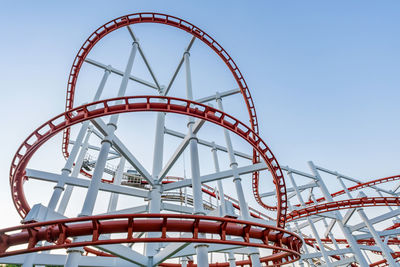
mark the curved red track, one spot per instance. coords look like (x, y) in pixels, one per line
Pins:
(180, 24)
(360, 186)
(135, 104)
(343, 204)
(58, 231)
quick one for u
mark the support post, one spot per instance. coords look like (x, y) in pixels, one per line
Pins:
(156, 191)
(339, 218)
(244, 209)
(385, 249)
(93, 189)
(219, 183)
(201, 249)
(311, 224)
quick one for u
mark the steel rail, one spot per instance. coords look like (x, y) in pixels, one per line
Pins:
(58, 231)
(136, 104)
(343, 204)
(359, 186)
(369, 242)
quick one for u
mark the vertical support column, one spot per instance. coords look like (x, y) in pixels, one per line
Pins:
(201, 249)
(112, 203)
(346, 231)
(305, 247)
(311, 224)
(231, 259)
(219, 182)
(156, 190)
(78, 165)
(68, 191)
(385, 249)
(184, 262)
(331, 236)
(244, 209)
(59, 188)
(91, 195)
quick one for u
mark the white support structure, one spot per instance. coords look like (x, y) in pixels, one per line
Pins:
(352, 242)
(201, 249)
(384, 248)
(115, 174)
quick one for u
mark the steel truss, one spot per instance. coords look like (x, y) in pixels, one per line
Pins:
(185, 222)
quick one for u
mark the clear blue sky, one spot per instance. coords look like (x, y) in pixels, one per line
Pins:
(324, 74)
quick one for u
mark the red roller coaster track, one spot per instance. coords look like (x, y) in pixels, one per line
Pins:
(343, 204)
(360, 186)
(135, 104)
(58, 231)
(159, 18)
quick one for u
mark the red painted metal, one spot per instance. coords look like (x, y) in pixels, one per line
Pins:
(383, 263)
(136, 104)
(343, 204)
(359, 186)
(57, 233)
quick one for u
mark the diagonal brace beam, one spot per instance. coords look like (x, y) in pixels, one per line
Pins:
(121, 148)
(182, 146)
(120, 73)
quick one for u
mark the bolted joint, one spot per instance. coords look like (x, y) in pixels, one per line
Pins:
(255, 252)
(66, 170)
(218, 96)
(106, 140)
(190, 122)
(201, 245)
(231, 258)
(237, 178)
(233, 164)
(108, 69)
(156, 189)
(78, 249)
(214, 148)
(59, 187)
(193, 137)
(112, 124)
(186, 53)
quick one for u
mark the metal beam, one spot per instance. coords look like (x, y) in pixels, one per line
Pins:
(208, 144)
(125, 253)
(286, 168)
(176, 208)
(354, 180)
(120, 147)
(182, 146)
(74, 181)
(96, 148)
(59, 260)
(179, 66)
(214, 97)
(168, 252)
(217, 176)
(383, 217)
(144, 58)
(329, 253)
(300, 187)
(120, 73)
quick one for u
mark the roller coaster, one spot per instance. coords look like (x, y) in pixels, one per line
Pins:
(166, 217)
